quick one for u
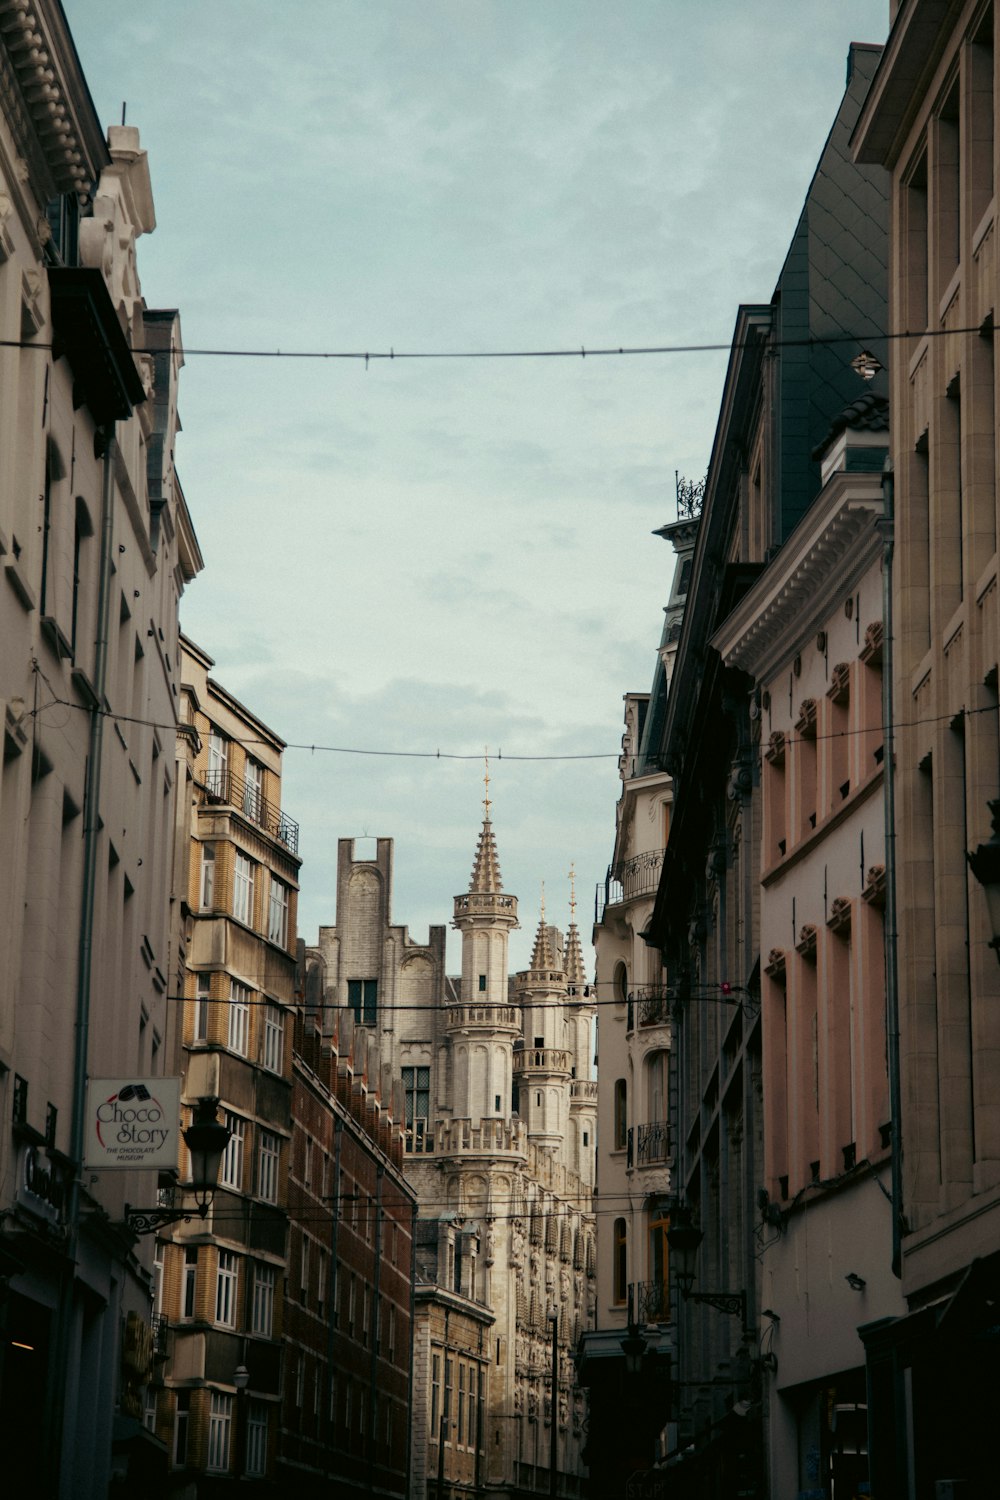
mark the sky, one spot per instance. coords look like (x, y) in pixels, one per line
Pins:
(444, 555)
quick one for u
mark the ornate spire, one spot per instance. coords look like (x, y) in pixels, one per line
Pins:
(486, 866)
(576, 974)
(542, 956)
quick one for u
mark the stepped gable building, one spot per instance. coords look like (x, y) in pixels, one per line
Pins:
(96, 547)
(498, 1098)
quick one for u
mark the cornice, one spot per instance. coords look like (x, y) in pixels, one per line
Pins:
(824, 554)
(46, 99)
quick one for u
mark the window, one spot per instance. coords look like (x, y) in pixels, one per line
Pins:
(225, 1289)
(218, 763)
(447, 1393)
(320, 1281)
(277, 914)
(362, 997)
(190, 1281)
(621, 1114)
(181, 1417)
(304, 1272)
(239, 1017)
(307, 1158)
(232, 1162)
(243, 877)
(220, 1422)
(461, 1403)
(203, 988)
(262, 1313)
(391, 1333)
(253, 789)
(300, 1380)
(274, 1039)
(620, 1262)
(206, 893)
(256, 1455)
(471, 1427)
(482, 983)
(268, 1156)
(416, 1089)
(435, 1394)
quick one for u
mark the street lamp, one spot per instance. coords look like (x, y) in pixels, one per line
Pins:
(684, 1238)
(984, 862)
(206, 1139)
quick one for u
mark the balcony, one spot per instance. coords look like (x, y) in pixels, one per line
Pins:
(583, 1091)
(652, 1005)
(628, 880)
(544, 1059)
(492, 1017)
(651, 1301)
(652, 1144)
(227, 787)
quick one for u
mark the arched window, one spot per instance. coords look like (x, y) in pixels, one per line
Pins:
(620, 1263)
(621, 1114)
(621, 983)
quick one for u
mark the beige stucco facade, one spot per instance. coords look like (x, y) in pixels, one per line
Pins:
(96, 547)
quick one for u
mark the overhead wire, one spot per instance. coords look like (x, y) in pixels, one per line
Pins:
(578, 351)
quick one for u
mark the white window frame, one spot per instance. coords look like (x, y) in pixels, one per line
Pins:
(243, 888)
(238, 1039)
(256, 1449)
(220, 1428)
(202, 1006)
(277, 913)
(231, 1171)
(227, 1279)
(268, 1162)
(273, 1057)
(218, 762)
(206, 885)
(262, 1312)
(189, 1284)
(253, 790)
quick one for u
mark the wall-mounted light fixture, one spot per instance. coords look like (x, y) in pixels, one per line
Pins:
(684, 1237)
(206, 1139)
(855, 1282)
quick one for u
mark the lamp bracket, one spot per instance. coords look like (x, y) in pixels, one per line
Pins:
(149, 1220)
(733, 1303)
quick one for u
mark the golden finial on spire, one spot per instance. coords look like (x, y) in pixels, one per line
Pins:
(486, 781)
(572, 891)
(543, 901)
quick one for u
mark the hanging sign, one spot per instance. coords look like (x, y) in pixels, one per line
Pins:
(133, 1122)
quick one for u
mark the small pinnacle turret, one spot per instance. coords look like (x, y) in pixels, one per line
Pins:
(576, 974)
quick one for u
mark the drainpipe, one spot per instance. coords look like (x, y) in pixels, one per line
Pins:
(376, 1333)
(413, 1310)
(885, 527)
(104, 446)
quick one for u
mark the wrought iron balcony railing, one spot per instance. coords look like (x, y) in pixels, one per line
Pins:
(652, 1004)
(628, 880)
(651, 1301)
(226, 786)
(652, 1146)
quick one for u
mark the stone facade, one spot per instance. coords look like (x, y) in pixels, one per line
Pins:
(96, 547)
(493, 1086)
(932, 119)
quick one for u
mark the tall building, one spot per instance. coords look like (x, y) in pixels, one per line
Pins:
(499, 1102)
(790, 375)
(931, 119)
(219, 1294)
(96, 546)
(810, 634)
(635, 1149)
